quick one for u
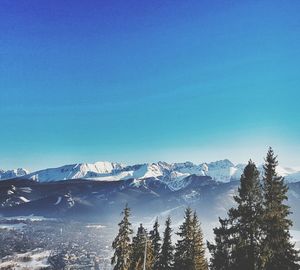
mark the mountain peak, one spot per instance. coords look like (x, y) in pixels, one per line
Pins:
(171, 173)
(224, 163)
(12, 173)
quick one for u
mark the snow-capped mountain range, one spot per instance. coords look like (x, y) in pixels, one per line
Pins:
(101, 189)
(12, 173)
(171, 173)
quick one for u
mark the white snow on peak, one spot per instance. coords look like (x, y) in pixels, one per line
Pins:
(290, 175)
(76, 171)
(171, 173)
(149, 170)
(12, 173)
(223, 170)
(225, 163)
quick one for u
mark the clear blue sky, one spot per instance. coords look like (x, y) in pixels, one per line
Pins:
(139, 81)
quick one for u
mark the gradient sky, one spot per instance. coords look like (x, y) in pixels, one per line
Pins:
(142, 81)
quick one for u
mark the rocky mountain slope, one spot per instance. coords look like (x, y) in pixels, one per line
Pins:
(103, 200)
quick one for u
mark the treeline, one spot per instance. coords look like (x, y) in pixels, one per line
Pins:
(148, 251)
(255, 235)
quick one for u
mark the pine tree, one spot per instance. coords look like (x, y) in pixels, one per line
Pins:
(149, 256)
(138, 250)
(238, 238)
(121, 244)
(278, 251)
(199, 260)
(166, 255)
(155, 240)
(190, 250)
(137, 247)
(183, 258)
(221, 250)
(247, 220)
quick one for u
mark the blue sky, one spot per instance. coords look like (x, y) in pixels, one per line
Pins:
(142, 81)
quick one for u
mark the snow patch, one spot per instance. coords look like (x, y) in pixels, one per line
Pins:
(95, 226)
(17, 226)
(24, 199)
(25, 189)
(58, 200)
(25, 218)
(35, 259)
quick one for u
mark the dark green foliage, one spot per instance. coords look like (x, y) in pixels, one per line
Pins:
(238, 238)
(166, 256)
(221, 250)
(190, 251)
(156, 245)
(138, 250)
(122, 244)
(198, 253)
(278, 251)
(256, 234)
(183, 258)
(247, 220)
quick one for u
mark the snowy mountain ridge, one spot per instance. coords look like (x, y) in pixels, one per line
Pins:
(171, 173)
(12, 173)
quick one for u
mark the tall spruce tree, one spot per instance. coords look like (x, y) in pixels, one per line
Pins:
(156, 245)
(149, 256)
(190, 251)
(121, 244)
(237, 240)
(278, 251)
(183, 258)
(247, 220)
(138, 250)
(166, 255)
(198, 253)
(222, 248)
